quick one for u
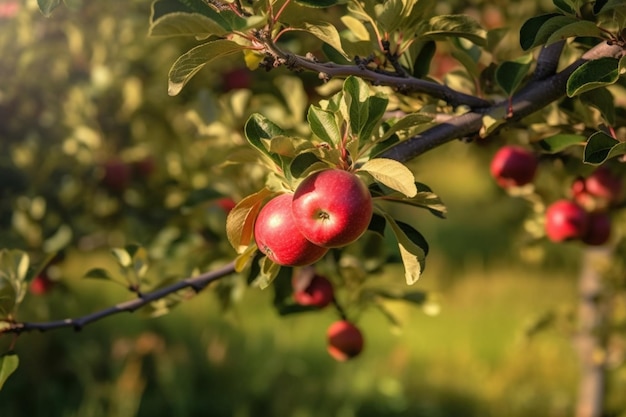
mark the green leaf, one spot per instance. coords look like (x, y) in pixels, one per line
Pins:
(424, 198)
(258, 128)
(323, 124)
(407, 122)
(269, 271)
(391, 173)
(593, 74)
(558, 143)
(377, 224)
(376, 108)
(98, 273)
(565, 5)
(602, 99)
(509, 74)
(185, 24)
(8, 365)
(317, 3)
(412, 254)
(14, 268)
(195, 59)
(415, 297)
(601, 147)
(577, 28)
(47, 6)
(529, 32)
(240, 220)
(324, 31)
(306, 163)
(458, 26)
(124, 259)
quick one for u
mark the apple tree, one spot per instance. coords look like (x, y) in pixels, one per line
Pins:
(307, 192)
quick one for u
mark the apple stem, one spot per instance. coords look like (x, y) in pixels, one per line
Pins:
(340, 309)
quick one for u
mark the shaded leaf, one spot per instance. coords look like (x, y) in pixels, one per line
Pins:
(377, 224)
(8, 365)
(557, 143)
(509, 74)
(195, 59)
(324, 125)
(317, 3)
(306, 163)
(259, 127)
(602, 99)
(98, 273)
(47, 6)
(391, 173)
(601, 147)
(529, 32)
(593, 74)
(578, 28)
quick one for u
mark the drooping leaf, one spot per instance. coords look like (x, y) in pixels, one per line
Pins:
(47, 6)
(529, 32)
(407, 122)
(185, 24)
(259, 128)
(195, 59)
(561, 141)
(391, 173)
(8, 364)
(377, 224)
(323, 124)
(593, 74)
(425, 198)
(602, 99)
(412, 254)
(509, 74)
(269, 271)
(98, 273)
(601, 147)
(240, 220)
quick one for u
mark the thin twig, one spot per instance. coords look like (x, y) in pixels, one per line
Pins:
(197, 283)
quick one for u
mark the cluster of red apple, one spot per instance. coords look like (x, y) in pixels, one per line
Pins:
(345, 340)
(584, 216)
(329, 209)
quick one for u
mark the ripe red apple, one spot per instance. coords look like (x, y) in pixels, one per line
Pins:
(236, 79)
(598, 230)
(345, 340)
(226, 204)
(278, 237)
(332, 208)
(513, 166)
(566, 220)
(41, 284)
(604, 184)
(117, 175)
(314, 290)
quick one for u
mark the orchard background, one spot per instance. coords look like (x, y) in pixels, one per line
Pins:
(113, 190)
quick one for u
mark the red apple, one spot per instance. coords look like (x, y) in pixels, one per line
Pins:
(314, 290)
(237, 78)
(345, 340)
(226, 204)
(117, 175)
(598, 230)
(41, 284)
(513, 166)
(603, 183)
(278, 237)
(566, 220)
(332, 208)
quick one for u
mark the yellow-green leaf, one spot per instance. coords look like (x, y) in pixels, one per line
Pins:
(240, 220)
(392, 174)
(8, 365)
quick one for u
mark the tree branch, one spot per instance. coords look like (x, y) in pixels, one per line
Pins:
(535, 96)
(403, 83)
(197, 283)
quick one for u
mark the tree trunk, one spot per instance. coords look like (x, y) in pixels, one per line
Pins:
(591, 337)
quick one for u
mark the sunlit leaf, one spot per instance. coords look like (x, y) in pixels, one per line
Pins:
(324, 125)
(407, 122)
(8, 365)
(240, 220)
(325, 32)
(195, 59)
(459, 26)
(258, 128)
(412, 254)
(391, 173)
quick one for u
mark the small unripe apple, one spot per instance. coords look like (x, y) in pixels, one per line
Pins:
(332, 208)
(513, 166)
(345, 340)
(565, 220)
(598, 230)
(278, 237)
(314, 290)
